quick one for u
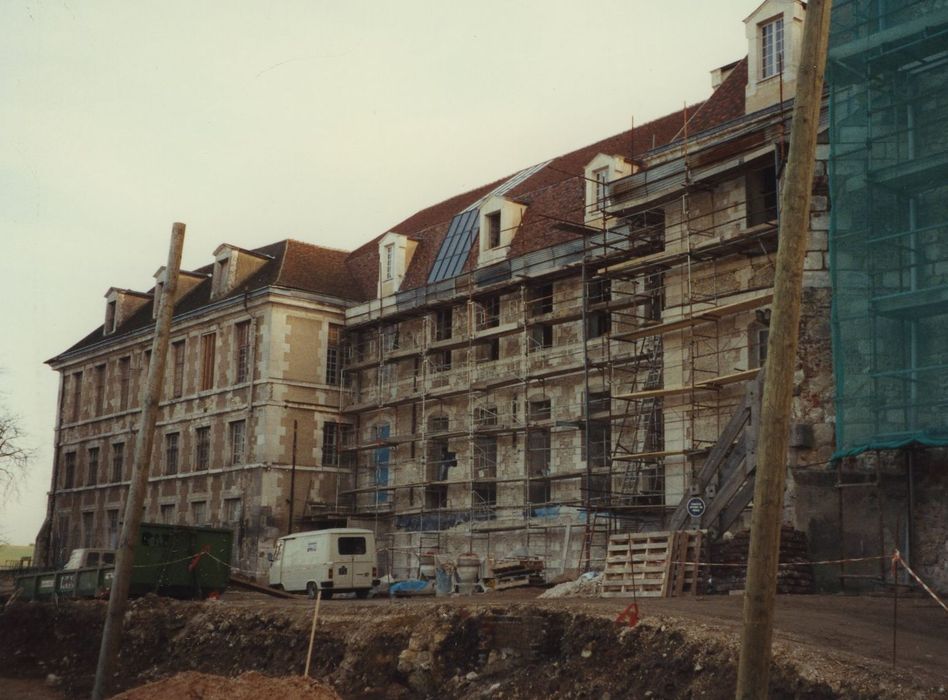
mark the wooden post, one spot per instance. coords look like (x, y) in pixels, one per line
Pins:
(312, 631)
(754, 668)
(118, 600)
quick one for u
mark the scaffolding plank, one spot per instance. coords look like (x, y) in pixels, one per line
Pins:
(704, 385)
(646, 455)
(714, 313)
(670, 258)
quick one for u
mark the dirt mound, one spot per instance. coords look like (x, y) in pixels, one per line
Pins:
(393, 650)
(248, 686)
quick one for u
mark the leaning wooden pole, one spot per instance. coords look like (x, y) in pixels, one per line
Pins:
(754, 669)
(118, 600)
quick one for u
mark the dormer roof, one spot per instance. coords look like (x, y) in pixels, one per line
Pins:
(289, 264)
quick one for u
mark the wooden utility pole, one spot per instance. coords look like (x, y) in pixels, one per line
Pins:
(118, 600)
(754, 669)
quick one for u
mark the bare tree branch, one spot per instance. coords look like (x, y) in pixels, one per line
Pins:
(14, 455)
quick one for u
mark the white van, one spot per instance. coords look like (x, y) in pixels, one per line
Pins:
(338, 560)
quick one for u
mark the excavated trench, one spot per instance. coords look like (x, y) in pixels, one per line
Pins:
(449, 651)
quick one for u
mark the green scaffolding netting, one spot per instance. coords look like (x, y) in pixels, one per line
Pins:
(888, 78)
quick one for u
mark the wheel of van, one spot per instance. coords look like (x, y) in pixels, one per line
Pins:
(363, 593)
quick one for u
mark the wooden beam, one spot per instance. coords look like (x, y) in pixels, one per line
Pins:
(144, 441)
(707, 315)
(753, 674)
(745, 412)
(737, 476)
(646, 455)
(704, 385)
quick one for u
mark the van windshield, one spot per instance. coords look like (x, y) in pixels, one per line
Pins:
(349, 546)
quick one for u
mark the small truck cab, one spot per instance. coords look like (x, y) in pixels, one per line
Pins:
(337, 560)
(88, 558)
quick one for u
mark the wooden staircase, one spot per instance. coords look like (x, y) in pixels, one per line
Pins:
(726, 478)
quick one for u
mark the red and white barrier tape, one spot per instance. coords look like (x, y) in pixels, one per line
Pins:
(787, 565)
(898, 557)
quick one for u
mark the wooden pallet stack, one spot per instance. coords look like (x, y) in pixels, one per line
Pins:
(652, 564)
(513, 573)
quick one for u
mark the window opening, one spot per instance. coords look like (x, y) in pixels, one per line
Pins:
(242, 332)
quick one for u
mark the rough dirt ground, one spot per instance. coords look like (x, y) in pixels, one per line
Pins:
(247, 686)
(504, 645)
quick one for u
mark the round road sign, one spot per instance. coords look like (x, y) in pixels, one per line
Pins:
(696, 507)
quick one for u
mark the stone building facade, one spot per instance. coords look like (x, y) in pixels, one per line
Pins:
(253, 366)
(521, 369)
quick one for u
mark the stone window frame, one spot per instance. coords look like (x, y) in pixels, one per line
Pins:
(117, 462)
(208, 360)
(100, 389)
(178, 358)
(125, 381)
(202, 448)
(172, 452)
(772, 47)
(93, 454)
(70, 461)
(237, 442)
(334, 354)
(242, 351)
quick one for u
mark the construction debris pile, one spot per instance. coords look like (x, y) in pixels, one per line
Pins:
(514, 573)
(733, 554)
(589, 585)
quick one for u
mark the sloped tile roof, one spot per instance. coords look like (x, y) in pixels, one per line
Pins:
(725, 104)
(555, 193)
(292, 264)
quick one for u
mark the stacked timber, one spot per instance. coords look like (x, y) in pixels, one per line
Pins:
(653, 564)
(797, 578)
(514, 573)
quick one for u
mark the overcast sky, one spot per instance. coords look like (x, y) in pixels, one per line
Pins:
(252, 122)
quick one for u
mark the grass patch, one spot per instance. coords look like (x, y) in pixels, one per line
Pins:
(13, 552)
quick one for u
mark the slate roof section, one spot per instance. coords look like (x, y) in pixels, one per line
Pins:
(725, 104)
(292, 265)
(555, 193)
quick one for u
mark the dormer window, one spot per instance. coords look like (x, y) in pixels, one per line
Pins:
(601, 178)
(389, 261)
(774, 33)
(395, 253)
(232, 267)
(220, 274)
(110, 317)
(597, 174)
(493, 229)
(498, 222)
(159, 289)
(771, 48)
(120, 304)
